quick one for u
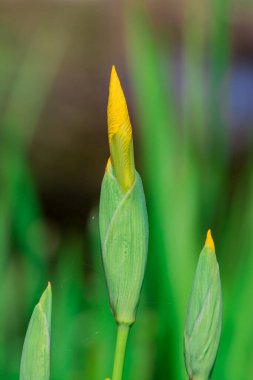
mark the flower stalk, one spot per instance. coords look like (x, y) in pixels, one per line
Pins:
(119, 356)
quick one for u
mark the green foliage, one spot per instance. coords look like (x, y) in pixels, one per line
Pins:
(171, 187)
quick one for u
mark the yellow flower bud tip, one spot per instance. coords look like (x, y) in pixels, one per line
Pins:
(120, 134)
(117, 112)
(209, 241)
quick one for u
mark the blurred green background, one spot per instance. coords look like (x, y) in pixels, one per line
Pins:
(187, 71)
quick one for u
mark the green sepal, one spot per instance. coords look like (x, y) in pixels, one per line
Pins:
(124, 236)
(204, 318)
(35, 361)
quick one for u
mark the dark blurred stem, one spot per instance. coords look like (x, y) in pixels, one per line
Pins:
(119, 356)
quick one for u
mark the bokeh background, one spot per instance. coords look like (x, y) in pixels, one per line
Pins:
(186, 67)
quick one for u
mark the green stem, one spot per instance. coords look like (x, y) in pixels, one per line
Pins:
(119, 356)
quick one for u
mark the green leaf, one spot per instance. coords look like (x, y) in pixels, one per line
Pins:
(35, 361)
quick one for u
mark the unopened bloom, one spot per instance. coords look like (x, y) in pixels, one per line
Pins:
(203, 321)
(35, 361)
(122, 215)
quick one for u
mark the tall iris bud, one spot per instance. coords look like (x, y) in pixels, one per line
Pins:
(203, 322)
(122, 215)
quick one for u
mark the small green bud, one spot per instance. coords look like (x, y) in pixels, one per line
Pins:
(204, 316)
(35, 361)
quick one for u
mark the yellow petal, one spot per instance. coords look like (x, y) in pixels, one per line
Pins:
(209, 241)
(108, 164)
(120, 134)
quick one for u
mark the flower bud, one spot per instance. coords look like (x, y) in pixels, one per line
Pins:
(204, 315)
(35, 361)
(122, 216)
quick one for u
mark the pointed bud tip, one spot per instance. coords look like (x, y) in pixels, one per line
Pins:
(46, 296)
(113, 70)
(45, 303)
(114, 80)
(117, 112)
(114, 75)
(209, 241)
(120, 134)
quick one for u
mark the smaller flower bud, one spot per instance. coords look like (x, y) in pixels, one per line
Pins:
(204, 315)
(35, 361)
